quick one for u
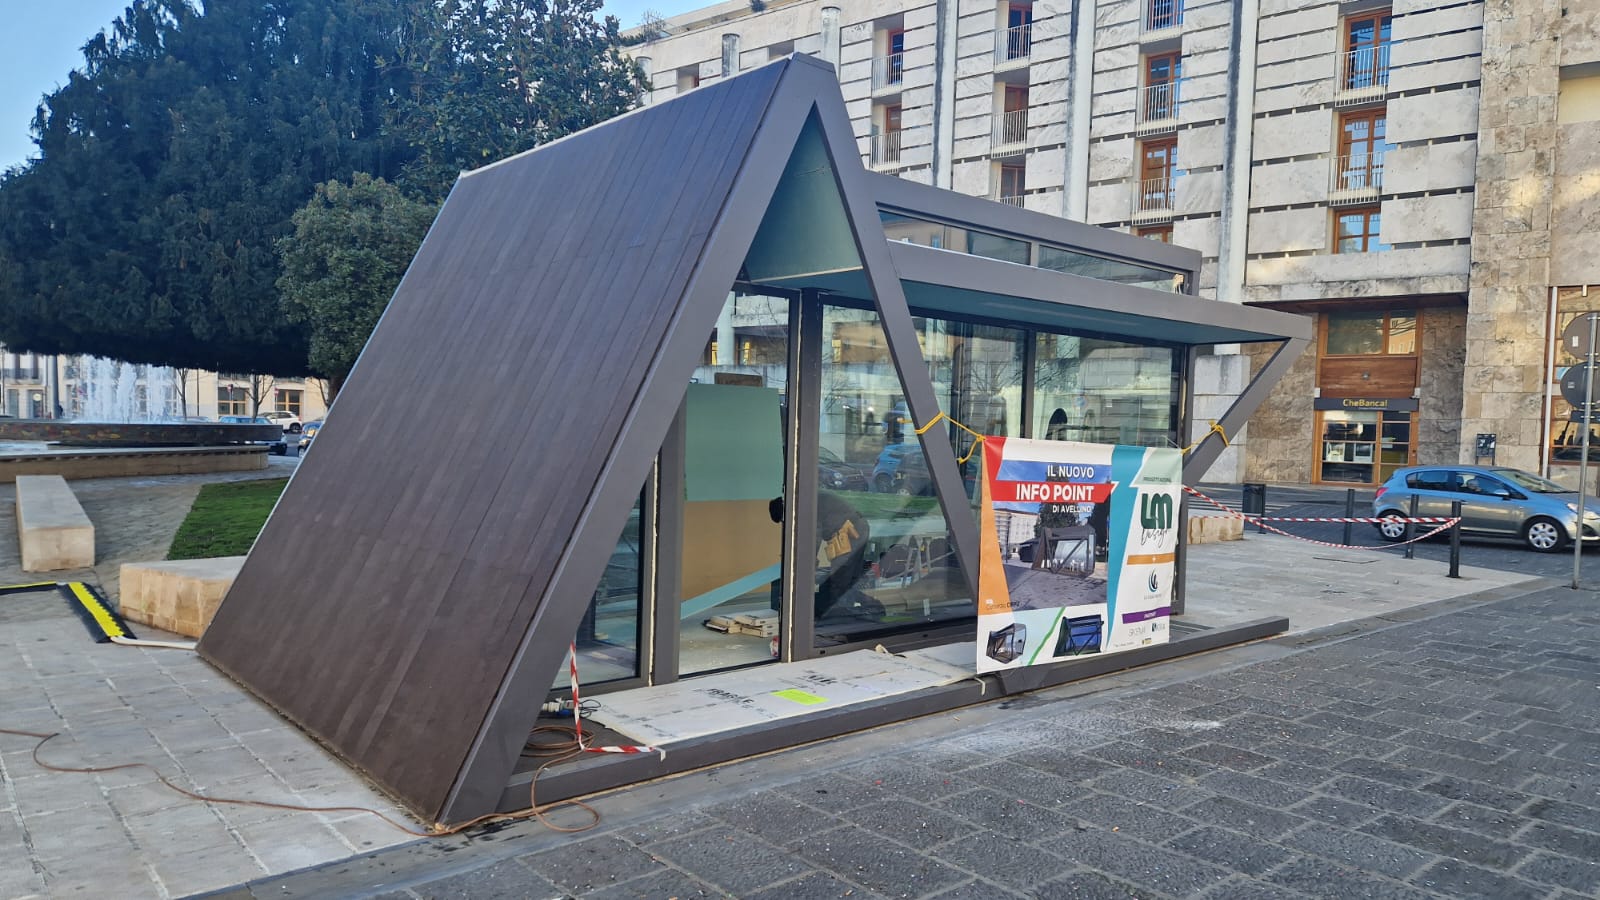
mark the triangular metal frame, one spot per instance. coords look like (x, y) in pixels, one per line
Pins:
(806, 87)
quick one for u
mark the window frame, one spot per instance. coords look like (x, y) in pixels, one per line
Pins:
(1386, 334)
(1374, 146)
(1161, 232)
(1382, 20)
(1372, 224)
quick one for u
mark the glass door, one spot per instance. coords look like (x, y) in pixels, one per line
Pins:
(1348, 446)
(1396, 446)
(730, 562)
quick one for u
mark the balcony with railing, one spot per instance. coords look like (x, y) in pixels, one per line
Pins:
(1010, 133)
(1158, 108)
(1356, 178)
(1018, 200)
(1014, 44)
(1363, 75)
(1155, 199)
(888, 72)
(885, 149)
(1161, 16)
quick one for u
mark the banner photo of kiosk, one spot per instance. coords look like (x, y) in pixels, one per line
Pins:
(1079, 549)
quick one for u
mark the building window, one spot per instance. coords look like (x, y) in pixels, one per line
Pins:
(1362, 146)
(1162, 233)
(1356, 231)
(1371, 334)
(287, 401)
(688, 78)
(1162, 72)
(1013, 183)
(1011, 127)
(1162, 14)
(1158, 164)
(889, 69)
(1366, 51)
(1016, 42)
(1566, 425)
(232, 400)
(888, 132)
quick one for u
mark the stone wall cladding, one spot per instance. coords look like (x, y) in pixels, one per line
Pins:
(1444, 337)
(1280, 445)
(1508, 301)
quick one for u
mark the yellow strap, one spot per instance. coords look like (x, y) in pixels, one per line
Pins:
(1214, 429)
(976, 437)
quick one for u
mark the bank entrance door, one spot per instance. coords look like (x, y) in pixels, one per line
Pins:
(1364, 446)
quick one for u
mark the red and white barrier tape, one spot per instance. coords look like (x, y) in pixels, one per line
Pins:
(1426, 520)
(577, 715)
(1447, 522)
(577, 705)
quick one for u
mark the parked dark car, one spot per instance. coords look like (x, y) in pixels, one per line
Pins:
(276, 448)
(835, 474)
(900, 469)
(1496, 501)
(307, 432)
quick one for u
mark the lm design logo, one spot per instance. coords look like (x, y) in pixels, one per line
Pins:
(1155, 512)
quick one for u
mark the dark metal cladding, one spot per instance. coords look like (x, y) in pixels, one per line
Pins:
(394, 585)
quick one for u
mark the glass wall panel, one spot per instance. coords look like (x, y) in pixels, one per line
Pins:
(1074, 263)
(897, 227)
(733, 471)
(608, 636)
(1104, 392)
(977, 376)
(884, 558)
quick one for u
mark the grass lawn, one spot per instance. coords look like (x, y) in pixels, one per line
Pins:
(225, 519)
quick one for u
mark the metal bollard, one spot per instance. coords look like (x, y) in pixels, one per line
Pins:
(1411, 530)
(1455, 540)
(1349, 513)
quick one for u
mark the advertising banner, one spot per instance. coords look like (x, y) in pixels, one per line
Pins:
(1079, 549)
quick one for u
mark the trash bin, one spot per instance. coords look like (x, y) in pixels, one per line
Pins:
(1255, 500)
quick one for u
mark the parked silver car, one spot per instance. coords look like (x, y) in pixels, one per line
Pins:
(1495, 502)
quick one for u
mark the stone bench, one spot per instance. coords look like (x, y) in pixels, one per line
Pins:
(51, 526)
(179, 596)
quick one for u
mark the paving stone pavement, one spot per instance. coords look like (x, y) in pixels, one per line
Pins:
(1457, 755)
(120, 834)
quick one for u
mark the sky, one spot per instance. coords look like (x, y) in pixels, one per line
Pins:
(44, 41)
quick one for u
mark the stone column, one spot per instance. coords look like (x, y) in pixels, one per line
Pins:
(1080, 95)
(1503, 373)
(944, 93)
(830, 36)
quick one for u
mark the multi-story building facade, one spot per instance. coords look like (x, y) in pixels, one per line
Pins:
(1419, 175)
(81, 387)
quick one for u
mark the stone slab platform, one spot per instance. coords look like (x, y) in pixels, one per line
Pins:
(52, 529)
(76, 464)
(179, 596)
